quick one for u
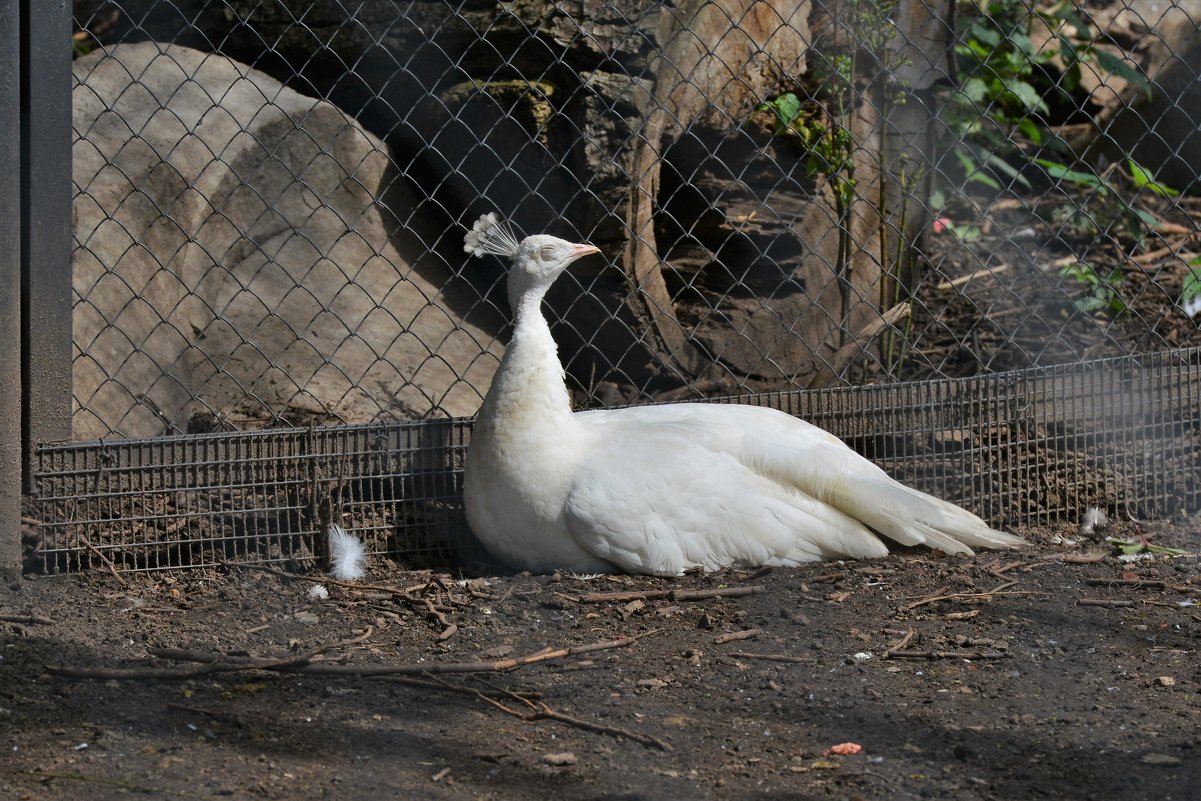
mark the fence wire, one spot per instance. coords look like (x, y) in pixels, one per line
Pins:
(868, 197)
(1024, 448)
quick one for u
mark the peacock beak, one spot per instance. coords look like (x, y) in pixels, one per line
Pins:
(583, 250)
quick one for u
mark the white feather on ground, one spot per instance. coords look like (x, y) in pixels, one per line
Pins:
(347, 562)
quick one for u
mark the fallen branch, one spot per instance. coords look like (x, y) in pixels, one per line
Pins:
(971, 596)
(211, 663)
(104, 560)
(673, 595)
(405, 594)
(984, 272)
(969, 655)
(26, 620)
(303, 664)
(898, 645)
(1106, 602)
(1079, 558)
(736, 635)
(540, 711)
(1126, 582)
(773, 657)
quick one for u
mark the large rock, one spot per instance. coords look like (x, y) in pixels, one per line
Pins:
(233, 257)
(1158, 125)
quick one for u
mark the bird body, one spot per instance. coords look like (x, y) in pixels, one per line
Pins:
(662, 489)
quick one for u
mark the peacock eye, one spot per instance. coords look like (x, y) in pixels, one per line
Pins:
(547, 253)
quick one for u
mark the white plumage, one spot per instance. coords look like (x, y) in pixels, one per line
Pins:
(660, 489)
(347, 561)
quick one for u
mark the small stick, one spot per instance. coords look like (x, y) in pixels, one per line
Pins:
(26, 619)
(1080, 558)
(774, 657)
(541, 711)
(736, 635)
(107, 562)
(406, 592)
(674, 595)
(1127, 582)
(194, 710)
(1107, 602)
(970, 655)
(219, 663)
(434, 683)
(970, 596)
(900, 644)
(721, 592)
(546, 713)
(996, 571)
(968, 615)
(983, 272)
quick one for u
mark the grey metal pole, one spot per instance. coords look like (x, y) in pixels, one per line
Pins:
(11, 445)
(46, 158)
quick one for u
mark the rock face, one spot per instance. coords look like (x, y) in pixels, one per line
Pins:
(596, 120)
(233, 257)
(1161, 129)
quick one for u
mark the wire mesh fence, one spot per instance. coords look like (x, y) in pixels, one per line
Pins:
(1024, 448)
(270, 199)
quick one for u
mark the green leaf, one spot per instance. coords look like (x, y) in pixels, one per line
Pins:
(974, 89)
(1028, 96)
(972, 168)
(1122, 69)
(1005, 168)
(1192, 284)
(1030, 128)
(1131, 547)
(988, 36)
(1145, 217)
(1145, 180)
(1064, 173)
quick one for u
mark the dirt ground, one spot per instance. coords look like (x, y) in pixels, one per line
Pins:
(1056, 672)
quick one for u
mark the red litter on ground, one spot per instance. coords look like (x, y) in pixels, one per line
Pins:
(845, 749)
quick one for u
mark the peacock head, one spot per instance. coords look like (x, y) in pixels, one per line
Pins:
(537, 260)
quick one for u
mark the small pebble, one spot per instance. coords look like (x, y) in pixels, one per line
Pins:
(1166, 681)
(560, 760)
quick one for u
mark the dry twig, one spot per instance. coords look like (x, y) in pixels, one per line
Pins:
(898, 645)
(969, 655)
(540, 711)
(773, 657)
(26, 620)
(221, 663)
(736, 635)
(673, 595)
(104, 559)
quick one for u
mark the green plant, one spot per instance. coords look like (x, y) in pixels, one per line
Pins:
(1101, 293)
(1190, 292)
(1004, 82)
(829, 148)
(1111, 200)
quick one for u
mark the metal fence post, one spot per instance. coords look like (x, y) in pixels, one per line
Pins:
(11, 446)
(35, 247)
(46, 215)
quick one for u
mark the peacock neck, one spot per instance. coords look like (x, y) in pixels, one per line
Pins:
(529, 386)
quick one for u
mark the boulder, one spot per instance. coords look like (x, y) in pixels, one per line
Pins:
(234, 258)
(1157, 125)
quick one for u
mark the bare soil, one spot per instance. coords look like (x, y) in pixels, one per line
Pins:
(1032, 674)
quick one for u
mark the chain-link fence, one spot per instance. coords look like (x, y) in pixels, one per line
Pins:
(270, 199)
